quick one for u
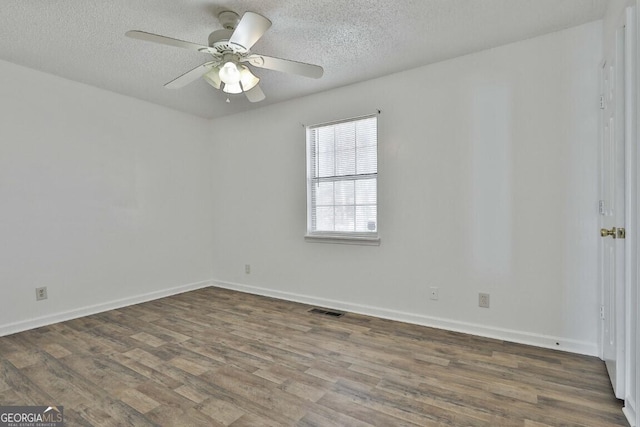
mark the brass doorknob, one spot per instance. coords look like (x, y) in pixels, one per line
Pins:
(604, 232)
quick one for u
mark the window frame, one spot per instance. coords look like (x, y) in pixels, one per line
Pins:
(339, 237)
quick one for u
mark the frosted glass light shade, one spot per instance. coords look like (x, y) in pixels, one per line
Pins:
(229, 73)
(232, 88)
(247, 79)
(213, 78)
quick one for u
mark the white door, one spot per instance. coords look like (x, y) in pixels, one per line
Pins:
(612, 212)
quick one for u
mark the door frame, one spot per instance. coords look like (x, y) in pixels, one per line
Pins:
(632, 200)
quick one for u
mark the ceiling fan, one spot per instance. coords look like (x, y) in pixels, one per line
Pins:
(230, 48)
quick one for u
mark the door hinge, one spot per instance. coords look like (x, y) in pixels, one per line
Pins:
(602, 312)
(602, 102)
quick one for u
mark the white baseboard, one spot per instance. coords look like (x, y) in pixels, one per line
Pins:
(528, 338)
(538, 340)
(24, 325)
(630, 413)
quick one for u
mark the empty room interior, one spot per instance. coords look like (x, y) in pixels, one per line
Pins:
(274, 213)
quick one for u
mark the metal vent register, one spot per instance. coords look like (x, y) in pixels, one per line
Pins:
(331, 313)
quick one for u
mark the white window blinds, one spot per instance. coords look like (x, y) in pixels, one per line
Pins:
(342, 171)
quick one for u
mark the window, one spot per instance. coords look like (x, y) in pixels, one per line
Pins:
(342, 180)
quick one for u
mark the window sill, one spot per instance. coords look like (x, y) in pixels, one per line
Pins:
(342, 240)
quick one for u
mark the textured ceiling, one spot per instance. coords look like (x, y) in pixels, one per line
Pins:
(354, 40)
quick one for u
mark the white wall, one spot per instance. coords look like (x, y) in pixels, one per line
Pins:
(104, 199)
(487, 183)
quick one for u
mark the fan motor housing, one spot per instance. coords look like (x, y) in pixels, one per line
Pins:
(219, 40)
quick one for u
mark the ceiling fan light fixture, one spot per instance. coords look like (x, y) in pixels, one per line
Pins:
(234, 88)
(230, 48)
(229, 73)
(247, 79)
(213, 78)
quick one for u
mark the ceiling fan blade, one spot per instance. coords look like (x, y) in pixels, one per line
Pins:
(255, 94)
(141, 35)
(249, 30)
(189, 76)
(285, 65)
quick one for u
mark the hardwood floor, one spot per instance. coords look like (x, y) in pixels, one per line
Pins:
(215, 357)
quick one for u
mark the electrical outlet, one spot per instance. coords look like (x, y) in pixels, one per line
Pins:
(483, 300)
(41, 293)
(247, 269)
(433, 293)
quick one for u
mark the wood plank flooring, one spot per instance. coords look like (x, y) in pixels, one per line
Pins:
(215, 357)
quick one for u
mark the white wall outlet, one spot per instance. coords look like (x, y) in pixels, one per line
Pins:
(41, 293)
(434, 293)
(483, 300)
(247, 269)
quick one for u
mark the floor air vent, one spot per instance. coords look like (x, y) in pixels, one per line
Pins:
(330, 313)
